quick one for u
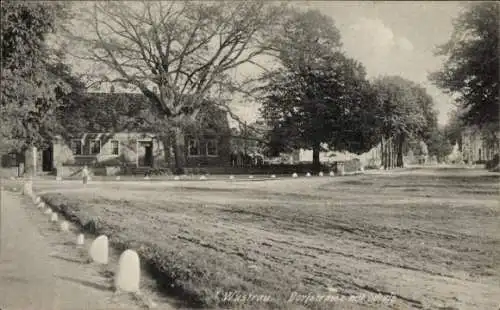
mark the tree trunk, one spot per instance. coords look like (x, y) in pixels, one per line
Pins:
(382, 153)
(389, 147)
(167, 144)
(386, 151)
(400, 151)
(316, 162)
(30, 158)
(179, 151)
(388, 154)
(394, 153)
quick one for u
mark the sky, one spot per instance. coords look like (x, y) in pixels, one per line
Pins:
(392, 38)
(389, 38)
(395, 38)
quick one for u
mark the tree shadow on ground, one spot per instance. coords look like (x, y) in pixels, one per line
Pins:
(15, 279)
(88, 283)
(68, 259)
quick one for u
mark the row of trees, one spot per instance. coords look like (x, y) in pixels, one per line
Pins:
(320, 98)
(182, 56)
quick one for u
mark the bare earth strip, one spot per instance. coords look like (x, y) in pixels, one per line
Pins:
(39, 269)
(429, 238)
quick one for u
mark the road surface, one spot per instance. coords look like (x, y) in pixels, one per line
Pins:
(36, 274)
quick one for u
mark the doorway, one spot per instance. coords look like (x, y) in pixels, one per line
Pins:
(145, 154)
(47, 159)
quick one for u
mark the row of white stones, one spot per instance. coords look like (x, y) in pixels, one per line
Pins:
(231, 177)
(127, 278)
(273, 176)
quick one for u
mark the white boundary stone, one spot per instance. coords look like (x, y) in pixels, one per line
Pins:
(308, 174)
(48, 211)
(320, 173)
(273, 176)
(28, 188)
(295, 175)
(177, 178)
(80, 239)
(127, 277)
(64, 226)
(250, 176)
(332, 174)
(54, 217)
(99, 250)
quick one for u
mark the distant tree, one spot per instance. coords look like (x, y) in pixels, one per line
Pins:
(471, 69)
(178, 54)
(405, 110)
(438, 145)
(250, 138)
(31, 89)
(454, 128)
(318, 94)
(422, 148)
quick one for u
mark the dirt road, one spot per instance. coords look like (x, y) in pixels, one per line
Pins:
(34, 275)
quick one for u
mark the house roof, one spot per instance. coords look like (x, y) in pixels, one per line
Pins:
(121, 112)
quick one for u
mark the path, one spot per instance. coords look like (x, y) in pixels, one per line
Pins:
(32, 277)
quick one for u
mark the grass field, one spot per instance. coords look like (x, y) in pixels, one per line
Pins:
(426, 238)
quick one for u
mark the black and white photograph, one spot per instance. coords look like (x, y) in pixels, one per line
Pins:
(249, 154)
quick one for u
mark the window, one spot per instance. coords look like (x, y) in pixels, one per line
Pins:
(115, 147)
(95, 147)
(76, 147)
(212, 147)
(12, 160)
(193, 147)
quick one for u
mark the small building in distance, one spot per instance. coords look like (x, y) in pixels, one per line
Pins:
(479, 145)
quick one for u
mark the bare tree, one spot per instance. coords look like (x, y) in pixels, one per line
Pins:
(178, 54)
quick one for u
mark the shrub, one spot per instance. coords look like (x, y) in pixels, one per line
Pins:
(352, 165)
(494, 164)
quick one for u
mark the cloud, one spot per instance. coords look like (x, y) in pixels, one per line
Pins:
(374, 35)
(370, 34)
(405, 44)
(379, 48)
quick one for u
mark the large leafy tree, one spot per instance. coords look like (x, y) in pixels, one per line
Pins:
(470, 71)
(178, 54)
(31, 88)
(317, 94)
